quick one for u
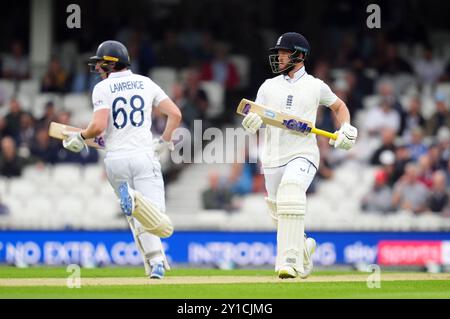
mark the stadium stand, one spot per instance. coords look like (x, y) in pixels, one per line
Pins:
(42, 197)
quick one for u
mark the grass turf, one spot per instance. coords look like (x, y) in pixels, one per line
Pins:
(60, 272)
(424, 289)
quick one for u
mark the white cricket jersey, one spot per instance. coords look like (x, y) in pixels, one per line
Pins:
(301, 97)
(130, 98)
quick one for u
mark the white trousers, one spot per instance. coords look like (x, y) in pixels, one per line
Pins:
(143, 173)
(299, 170)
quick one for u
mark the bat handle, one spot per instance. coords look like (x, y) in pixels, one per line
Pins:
(317, 131)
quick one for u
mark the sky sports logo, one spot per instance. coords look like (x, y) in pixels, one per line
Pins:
(413, 253)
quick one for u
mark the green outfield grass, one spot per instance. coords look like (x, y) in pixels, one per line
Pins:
(286, 290)
(60, 272)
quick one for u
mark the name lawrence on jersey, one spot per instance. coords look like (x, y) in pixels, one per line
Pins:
(130, 99)
(128, 85)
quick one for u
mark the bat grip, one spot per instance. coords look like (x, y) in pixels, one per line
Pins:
(317, 131)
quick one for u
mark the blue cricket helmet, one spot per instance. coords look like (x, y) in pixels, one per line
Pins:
(291, 41)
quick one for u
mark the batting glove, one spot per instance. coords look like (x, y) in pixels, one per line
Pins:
(252, 122)
(347, 135)
(74, 141)
(159, 146)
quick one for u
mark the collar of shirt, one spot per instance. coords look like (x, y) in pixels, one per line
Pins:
(297, 75)
(120, 74)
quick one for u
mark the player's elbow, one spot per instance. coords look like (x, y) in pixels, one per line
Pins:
(169, 108)
(177, 116)
(338, 106)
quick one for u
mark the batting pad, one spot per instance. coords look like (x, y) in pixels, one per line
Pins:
(138, 232)
(151, 218)
(291, 209)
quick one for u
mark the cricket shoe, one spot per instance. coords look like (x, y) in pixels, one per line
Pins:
(287, 272)
(157, 271)
(307, 257)
(126, 195)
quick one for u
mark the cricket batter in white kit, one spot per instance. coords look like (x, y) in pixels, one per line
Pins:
(123, 104)
(289, 160)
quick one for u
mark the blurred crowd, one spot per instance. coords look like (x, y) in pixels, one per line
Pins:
(404, 128)
(195, 56)
(24, 140)
(244, 178)
(413, 173)
(390, 84)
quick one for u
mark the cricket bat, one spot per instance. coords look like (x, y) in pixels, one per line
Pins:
(56, 130)
(281, 120)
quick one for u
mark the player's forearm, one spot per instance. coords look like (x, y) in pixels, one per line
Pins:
(343, 115)
(91, 131)
(97, 125)
(173, 121)
(169, 108)
(341, 111)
